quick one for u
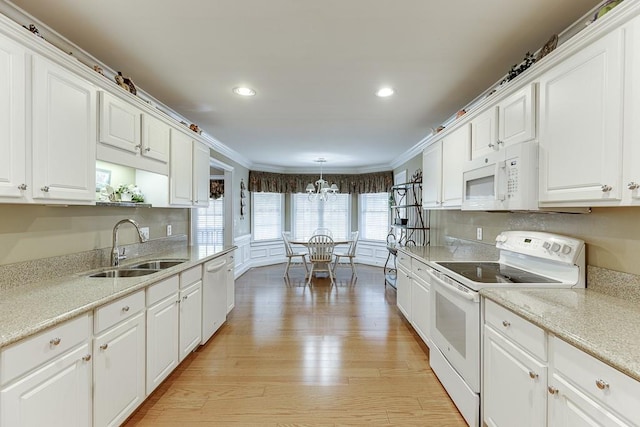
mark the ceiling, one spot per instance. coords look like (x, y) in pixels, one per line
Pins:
(315, 66)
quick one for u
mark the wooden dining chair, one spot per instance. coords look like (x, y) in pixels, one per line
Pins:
(291, 254)
(320, 255)
(350, 253)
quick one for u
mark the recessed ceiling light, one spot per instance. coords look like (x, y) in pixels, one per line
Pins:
(385, 92)
(244, 91)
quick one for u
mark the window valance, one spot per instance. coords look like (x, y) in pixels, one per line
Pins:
(378, 182)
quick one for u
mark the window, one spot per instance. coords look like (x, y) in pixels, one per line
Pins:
(266, 214)
(210, 223)
(307, 216)
(374, 216)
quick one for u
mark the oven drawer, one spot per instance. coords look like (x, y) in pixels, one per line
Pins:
(598, 380)
(520, 331)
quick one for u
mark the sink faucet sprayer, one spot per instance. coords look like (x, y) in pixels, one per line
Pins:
(115, 253)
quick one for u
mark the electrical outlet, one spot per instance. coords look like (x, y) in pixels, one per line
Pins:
(144, 231)
(479, 233)
(169, 230)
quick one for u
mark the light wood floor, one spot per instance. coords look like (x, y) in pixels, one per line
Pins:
(290, 355)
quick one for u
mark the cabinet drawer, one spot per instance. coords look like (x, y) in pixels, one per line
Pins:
(190, 276)
(110, 314)
(28, 354)
(404, 260)
(526, 334)
(419, 270)
(162, 290)
(598, 380)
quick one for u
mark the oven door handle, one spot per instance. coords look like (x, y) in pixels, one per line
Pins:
(466, 295)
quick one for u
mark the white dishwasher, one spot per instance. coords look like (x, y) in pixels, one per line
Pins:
(214, 297)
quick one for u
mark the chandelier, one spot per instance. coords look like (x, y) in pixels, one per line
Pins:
(321, 190)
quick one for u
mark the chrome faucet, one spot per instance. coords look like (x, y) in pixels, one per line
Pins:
(115, 253)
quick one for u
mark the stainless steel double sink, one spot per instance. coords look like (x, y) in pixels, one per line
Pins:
(140, 269)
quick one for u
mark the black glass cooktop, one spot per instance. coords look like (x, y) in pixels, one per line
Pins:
(493, 272)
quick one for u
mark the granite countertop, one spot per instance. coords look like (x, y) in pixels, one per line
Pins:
(462, 252)
(601, 325)
(33, 307)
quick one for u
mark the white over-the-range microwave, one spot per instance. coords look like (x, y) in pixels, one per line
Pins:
(505, 180)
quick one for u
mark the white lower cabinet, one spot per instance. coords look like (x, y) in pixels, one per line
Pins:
(190, 319)
(162, 331)
(573, 389)
(403, 292)
(46, 379)
(119, 360)
(515, 384)
(420, 300)
(231, 284)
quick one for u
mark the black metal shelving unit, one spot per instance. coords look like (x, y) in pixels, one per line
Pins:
(409, 222)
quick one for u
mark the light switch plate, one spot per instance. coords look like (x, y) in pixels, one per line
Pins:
(169, 230)
(479, 233)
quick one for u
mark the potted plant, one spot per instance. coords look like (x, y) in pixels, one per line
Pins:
(130, 193)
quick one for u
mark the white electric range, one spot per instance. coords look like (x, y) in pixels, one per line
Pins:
(527, 259)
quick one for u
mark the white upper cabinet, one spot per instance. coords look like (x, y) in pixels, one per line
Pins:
(181, 169)
(120, 123)
(156, 136)
(13, 179)
(442, 167)
(631, 158)
(581, 126)
(510, 121)
(517, 117)
(200, 174)
(64, 134)
(432, 176)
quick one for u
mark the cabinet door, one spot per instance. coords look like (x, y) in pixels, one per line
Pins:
(515, 384)
(455, 152)
(403, 293)
(568, 406)
(156, 137)
(162, 341)
(190, 319)
(516, 117)
(119, 371)
(581, 125)
(420, 309)
(483, 133)
(64, 134)
(56, 394)
(432, 176)
(13, 177)
(200, 174)
(180, 169)
(631, 166)
(119, 123)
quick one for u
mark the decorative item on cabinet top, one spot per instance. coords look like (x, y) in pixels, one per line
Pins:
(194, 127)
(605, 8)
(34, 30)
(547, 48)
(216, 188)
(125, 83)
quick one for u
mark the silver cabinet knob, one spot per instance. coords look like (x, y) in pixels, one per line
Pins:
(552, 390)
(104, 346)
(633, 185)
(45, 188)
(55, 341)
(533, 375)
(125, 308)
(22, 187)
(506, 324)
(606, 188)
(139, 146)
(184, 298)
(86, 358)
(602, 384)
(500, 142)
(147, 149)
(491, 145)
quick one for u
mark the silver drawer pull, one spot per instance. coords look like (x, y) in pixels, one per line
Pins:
(55, 341)
(22, 187)
(552, 390)
(506, 324)
(533, 375)
(602, 384)
(45, 189)
(86, 358)
(184, 298)
(104, 346)
(606, 188)
(125, 308)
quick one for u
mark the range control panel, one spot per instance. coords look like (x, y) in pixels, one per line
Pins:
(542, 245)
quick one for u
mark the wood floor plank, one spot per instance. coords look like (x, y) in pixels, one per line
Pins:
(290, 355)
